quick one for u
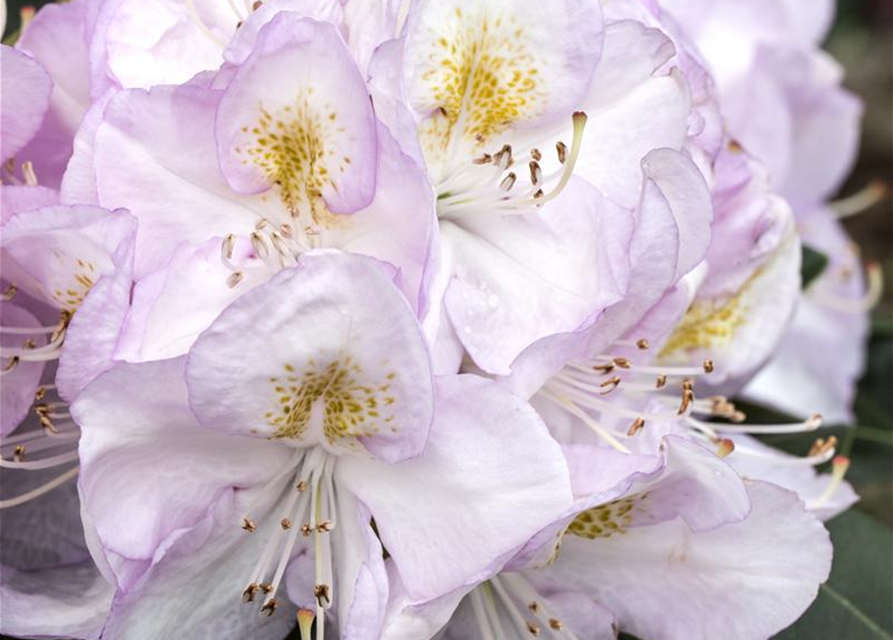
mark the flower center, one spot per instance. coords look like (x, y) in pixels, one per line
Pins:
(328, 403)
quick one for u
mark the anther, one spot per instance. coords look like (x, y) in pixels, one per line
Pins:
(226, 247)
(324, 526)
(688, 396)
(257, 4)
(483, 159)
(708, 366)
(260, 247)
(534, 608)
(642, 344)
(234, 279)
(250, 593)
(266, 587)
(19, 454)
(561, 148)
(637, 425)
(269, 607)
(285, 523)
(536, 173)
(321, 593)
(11, 364)
(556, 624)
(248, 525)
(623, 363)
(508, 182)
(9, 292)
(29, 174)
(40, 393)
(533, 628)
(306, 530)
(660, 382)
(603, 368)
(822, 446)
(301, 486)
(609, 385)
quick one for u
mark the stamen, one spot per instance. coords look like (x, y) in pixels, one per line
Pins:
(39, 491)
(196, 19)
(29, 174)
(588, 421)
(874, 192)
(636, 426)
(18, 461)
(810, 424)
(866, 303)
(9, 292)
(725, 448)
(839, 468)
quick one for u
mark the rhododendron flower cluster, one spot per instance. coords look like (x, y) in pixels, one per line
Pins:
(388, 319)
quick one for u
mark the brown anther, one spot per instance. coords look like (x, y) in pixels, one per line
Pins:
(257, 5)
(556, 624)
(738, 417)
(285, 523)
(623, 363)
(503, 157)
(561, 148)
(286, 230)
(822, 446)
(248, 525)
(306, 530)
(11, 364)
(259, 245)
(708, 366)
(536, 173)
(324, 526)
(735, 146)
(660, 382)
(301, 487)
(260, 224)
(226, 248)
(483, 159)
(250, 593)
(688, 396)
(539, 194)
(508, 182)
(533, 628)
(603, 368)
(534, 608)
(40, 394)
(609, 385)
(536, 154)
(266, 587)
(61, 326)
(637, 425)
(29, 174)
(642, 344)
(234, 279)
(321, 593)
(239, 24)
(19, 454)
(269, 607)
(29, 344)
(9, 292)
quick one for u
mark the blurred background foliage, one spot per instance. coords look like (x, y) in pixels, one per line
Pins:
(857, 601)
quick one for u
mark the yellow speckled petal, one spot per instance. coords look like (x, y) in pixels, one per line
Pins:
(326, 353)
(475, 69)
(296, 119)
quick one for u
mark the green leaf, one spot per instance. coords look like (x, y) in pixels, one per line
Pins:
(814, 263)
(855, 602)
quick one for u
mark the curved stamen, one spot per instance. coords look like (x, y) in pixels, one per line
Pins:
(196, 19)
(45, 463)
(866, 303)
(874, 192)
(839, 468)
(39, 491)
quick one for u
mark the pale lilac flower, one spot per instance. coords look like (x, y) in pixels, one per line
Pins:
(634, 543)
(312, 396)
(518, 223)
